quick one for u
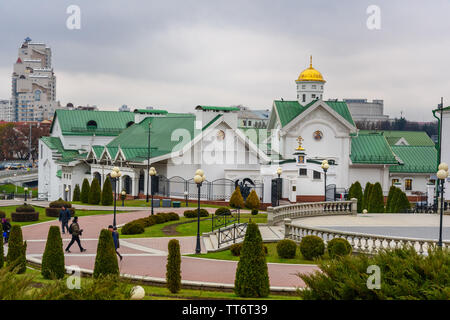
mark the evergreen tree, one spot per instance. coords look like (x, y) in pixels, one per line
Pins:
(252, 201)
(53, 258)
(395, 199)
(366, 195)
(94, 193)
(236, 200)
(105, 260)
(16, 250)
(376, 199)
(76, 193)
(358, 194)
(2, 257)
(173, 267)
(107, 195)
(252, 278)
(389, 199)
(401, 204)
(85, 189)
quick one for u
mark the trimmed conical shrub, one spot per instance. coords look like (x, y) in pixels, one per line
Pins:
(236, 200)
(53, 258)
(85, 189)
(401, 204)
(105, 260)
(76, 193)
(17, 250)
(252, 278)
(94, 193)
(252, 201)
(376, 199)
(173, 267)
(389, 199)
(107, 195)
(366, 195)
(357, 194)
(2, 257)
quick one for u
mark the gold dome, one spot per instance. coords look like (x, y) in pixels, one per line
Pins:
(310, 74)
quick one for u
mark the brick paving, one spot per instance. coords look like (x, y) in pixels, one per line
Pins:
(148, 256)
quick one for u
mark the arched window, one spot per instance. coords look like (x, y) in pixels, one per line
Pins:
(91, 125)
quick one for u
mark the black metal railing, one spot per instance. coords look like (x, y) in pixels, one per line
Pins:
(219, 221)
(231, 233)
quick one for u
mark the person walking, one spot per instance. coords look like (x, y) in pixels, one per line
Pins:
(115, 236)
(75, 230)
(6, 229)
(64, 218)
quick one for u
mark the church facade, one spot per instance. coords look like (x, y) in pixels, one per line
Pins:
(300, 134)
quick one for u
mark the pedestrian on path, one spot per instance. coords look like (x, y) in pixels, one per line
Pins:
(64, 218)
(76, 232)
(115, 236)
(6, 229)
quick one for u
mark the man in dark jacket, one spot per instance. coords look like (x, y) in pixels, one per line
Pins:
(6, 229)
(115, 236)
(64, 217)
(75, 230)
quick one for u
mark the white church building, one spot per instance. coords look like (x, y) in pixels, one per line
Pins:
(301, 134)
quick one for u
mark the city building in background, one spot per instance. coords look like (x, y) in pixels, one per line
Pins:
(6, 111)
(369, 111)
(249, 118)
(33, 96)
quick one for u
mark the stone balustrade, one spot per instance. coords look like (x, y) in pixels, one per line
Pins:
(360, 242)
(310, 209)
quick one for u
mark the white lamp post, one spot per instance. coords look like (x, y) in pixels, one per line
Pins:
(124, 193)
(67, 193)
(26, 192)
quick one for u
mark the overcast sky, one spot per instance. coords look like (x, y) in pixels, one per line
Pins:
(179, 54)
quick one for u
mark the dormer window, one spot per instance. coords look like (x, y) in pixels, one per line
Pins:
(91, 125)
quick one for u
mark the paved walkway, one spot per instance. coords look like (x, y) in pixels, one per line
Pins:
(148, 256)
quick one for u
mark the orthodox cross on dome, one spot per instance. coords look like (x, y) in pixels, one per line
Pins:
(299, 140)
(310, 61)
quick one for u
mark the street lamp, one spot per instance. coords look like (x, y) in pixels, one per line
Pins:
(148, 158)
(124, 193)
(26, 191)
(186, 194)
(67, 193)
(279, 172)
(442, 174)
(325, 167)
(152, 173)
(115, 174)
(198, 179)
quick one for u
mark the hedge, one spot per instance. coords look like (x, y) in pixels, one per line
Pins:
(16, 258)
(55, 207)
(193, 213)
(53, 258)
(252, 278)
(312, 247)
(133, 228)
(106, 259)
(173, 267)
(138, 226)
(25, 213)
(222, 211)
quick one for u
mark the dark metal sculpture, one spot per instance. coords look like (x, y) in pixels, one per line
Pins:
(244, 187)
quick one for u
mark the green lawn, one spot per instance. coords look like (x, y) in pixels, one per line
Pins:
(190, 229)
(10, 188)
(271, 257)
(44, 218)
(162, 293)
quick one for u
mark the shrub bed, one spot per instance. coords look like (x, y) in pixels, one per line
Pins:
(193, 213)
(138, 226)
(223, 211)
(25, 213)
(286, 249)
(312, 247)
(133, 227)
(55, 206)
(338, 247)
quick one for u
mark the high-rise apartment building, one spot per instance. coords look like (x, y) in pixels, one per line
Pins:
(6, 111)
(33, 83)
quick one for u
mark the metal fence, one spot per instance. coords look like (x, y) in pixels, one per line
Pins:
(217, 190)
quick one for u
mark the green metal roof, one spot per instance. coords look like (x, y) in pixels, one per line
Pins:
(414, 138)
(108, 123)
(98, 150)
(217, 108)
(151, 111)
(416, 159)
(55, 143)
(211, 122)
(371, 149)
(134, 141)
(59, 173)
(289, 110)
